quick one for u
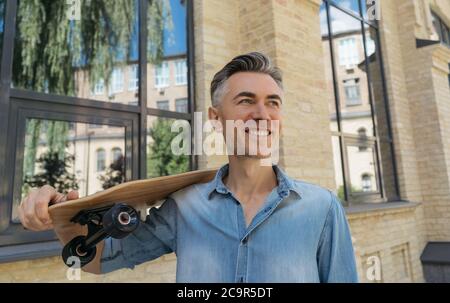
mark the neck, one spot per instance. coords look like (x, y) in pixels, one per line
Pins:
(247, 177)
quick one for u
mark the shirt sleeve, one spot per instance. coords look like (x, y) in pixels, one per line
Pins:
(335, 255)
(152, 239)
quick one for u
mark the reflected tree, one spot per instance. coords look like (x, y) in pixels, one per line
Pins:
(50, 48)
(114, 175)
(160, 159)
(54, 173)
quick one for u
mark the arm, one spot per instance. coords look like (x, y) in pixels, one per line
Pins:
(152, 239)
(335, 255)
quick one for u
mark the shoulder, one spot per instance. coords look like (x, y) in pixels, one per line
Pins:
(316, 196)
(190, 192)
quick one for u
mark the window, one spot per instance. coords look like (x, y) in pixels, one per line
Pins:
(99, 87)
(85, 49)
(181, 105)
(78, 131)
(441, 29)
(366, 182)
(164, 105)
(352, 93)
(162, 75)
(117, 80)
(348, 53)
(133, 83)
(363, 156)
(116, 154)
(180, 72)
(101, 160)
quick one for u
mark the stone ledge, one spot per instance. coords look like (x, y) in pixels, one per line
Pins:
(370, 209)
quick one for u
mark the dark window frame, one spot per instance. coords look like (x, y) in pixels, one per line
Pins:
(346, 139)
(445, 39)
(74, 109)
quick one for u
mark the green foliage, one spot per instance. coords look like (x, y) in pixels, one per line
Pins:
(114, 175)
(160, 159)
(50, 48)
(54, 173)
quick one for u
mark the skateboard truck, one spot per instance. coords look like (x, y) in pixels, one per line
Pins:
(116, 221)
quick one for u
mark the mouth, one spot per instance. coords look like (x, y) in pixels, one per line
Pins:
(258, 132)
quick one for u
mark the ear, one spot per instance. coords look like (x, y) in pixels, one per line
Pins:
(213, 113)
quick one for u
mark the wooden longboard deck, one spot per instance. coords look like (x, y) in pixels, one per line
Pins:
(134, 193)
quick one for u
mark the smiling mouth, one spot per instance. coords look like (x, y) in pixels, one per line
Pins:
(260, 133)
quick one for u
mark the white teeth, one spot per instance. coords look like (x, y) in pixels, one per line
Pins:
(259, 132)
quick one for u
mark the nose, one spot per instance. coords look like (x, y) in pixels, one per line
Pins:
(260, 112)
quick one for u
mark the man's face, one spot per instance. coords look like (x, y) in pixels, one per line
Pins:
(255, 99)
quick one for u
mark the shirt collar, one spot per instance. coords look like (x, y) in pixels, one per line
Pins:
(285, 183)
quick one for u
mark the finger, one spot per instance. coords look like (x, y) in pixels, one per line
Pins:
(41, 201)
(72, 195)
(21, 213)
(38, 204)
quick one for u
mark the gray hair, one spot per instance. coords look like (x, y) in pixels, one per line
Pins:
(251, 62)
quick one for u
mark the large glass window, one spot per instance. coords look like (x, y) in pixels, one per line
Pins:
(66, 156)
(162, 75)
(73, 53)
(441, 29)
(2, 23)
(361, 134)
(77, 78)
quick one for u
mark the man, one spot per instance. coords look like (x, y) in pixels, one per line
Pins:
(252, 223)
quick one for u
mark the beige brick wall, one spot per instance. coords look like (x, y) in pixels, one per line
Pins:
(53, 270)
(396, 237)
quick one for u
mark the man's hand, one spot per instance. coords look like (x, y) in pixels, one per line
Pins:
(33, 210)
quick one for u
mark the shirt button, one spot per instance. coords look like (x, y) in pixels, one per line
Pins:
(244, 241)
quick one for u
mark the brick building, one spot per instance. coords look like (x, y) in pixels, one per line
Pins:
(366, 116)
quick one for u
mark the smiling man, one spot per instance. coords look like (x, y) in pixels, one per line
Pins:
(252, 223)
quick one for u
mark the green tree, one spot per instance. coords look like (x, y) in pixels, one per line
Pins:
(114, 175)
(54, 173)
(160, 159)
(50, 48)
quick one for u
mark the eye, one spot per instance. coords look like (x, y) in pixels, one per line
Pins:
(245, 101)
(275, 103)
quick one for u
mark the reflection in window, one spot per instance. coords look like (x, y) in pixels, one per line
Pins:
(180, 72)
(133, 82)
(352, 93)
(99, 88)
(181, 105)
(350, 87)
(441, 29)
(164, 105)
(101, 160)
(2, 23)
(72, 56)
(162, 75)
(117, 80)
(360, 163)
(366, 182)
(348, 52)
(66, 156)
(161, 161)
(116, 153)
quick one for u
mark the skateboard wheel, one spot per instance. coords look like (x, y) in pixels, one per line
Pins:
(72, 249)
(120, 220)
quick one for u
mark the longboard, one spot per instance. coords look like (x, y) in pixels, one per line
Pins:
(112, 212)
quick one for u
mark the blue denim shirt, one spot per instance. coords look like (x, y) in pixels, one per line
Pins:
(299, 235)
